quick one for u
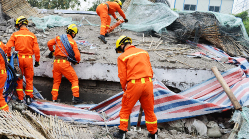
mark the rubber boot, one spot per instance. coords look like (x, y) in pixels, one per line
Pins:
(28, 100)
(119, 134)
(77, 100)
(107, 35)
(55, 100)
(102, 38)
(153, 136)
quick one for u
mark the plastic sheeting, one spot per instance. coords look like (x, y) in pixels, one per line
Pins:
(52, 21)
(144, 15)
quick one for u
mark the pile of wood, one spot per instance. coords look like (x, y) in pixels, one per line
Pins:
(28, 125)
(16, 8)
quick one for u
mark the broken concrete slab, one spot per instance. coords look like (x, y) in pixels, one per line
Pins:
(178, 78)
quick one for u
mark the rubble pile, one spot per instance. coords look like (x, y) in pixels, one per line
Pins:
(206, 25)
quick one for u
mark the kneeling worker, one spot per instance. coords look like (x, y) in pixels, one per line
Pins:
(108, 8)
(135, 73)
(65, 49)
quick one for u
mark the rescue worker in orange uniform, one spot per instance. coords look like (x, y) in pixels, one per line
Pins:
(108, 8)
(3, 76)
(135, 73)
(25, 42)
(62, 66)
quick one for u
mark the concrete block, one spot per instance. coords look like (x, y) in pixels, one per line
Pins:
(3, 28)
(1, 33)
(10, 31)
(4, 23)
(5, 35)
(38, 35)
(4, 41)
(38, 30)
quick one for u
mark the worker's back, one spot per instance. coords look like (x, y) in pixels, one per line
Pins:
(137, 63)
(60, 49)
(24, 42)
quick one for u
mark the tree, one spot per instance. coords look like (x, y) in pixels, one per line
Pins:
(54, 4)
(245, 19)
(243, 15)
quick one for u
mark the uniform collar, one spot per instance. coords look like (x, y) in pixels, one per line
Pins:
(24, 29)
(131, 46)
(69, 36)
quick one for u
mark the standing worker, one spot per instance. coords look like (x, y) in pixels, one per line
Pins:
(135, 73)
(64, 46)
(25, 43)
(108, 8)
(3, 76)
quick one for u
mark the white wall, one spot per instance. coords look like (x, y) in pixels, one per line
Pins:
(203, 5)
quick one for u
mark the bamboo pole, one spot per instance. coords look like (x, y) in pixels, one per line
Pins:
(226, 88)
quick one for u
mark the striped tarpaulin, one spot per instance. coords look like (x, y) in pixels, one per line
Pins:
(207, 97)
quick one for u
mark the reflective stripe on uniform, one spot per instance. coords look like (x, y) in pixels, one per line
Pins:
(19, 89)
(75, 87)
(23, 56)
(103, 26)
(29, 90)
(150, 79)
(124, 120)
(150, 122)
(107, 25)
(71, 42)
(25, 36)
(58, 61)
(3, 71)
(142, 80)
(55, 89)
(133, 81)
(3, 106)
(134, 55)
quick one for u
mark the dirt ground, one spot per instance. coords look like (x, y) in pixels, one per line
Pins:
(176, 53)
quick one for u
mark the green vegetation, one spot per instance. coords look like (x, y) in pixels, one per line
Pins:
(245, 19)
(54, 4)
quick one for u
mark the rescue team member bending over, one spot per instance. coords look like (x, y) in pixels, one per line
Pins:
(3, 76)
(61, 64)
(108, 8)
(25, 42)
(135, 73)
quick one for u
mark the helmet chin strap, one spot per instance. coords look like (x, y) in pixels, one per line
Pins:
(124, 47)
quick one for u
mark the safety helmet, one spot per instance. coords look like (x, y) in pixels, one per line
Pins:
(22, 20)
(72, 28)
(119, 2)
(122, 40)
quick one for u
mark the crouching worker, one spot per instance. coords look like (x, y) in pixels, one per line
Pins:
(103, 10)
(66, 52)
(135, 73)
(3, 76)
(25, 43)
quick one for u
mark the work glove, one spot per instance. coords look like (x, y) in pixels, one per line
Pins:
(126, 20)
(36, 64)
(9, 58)
(51, 54)
(117, 19)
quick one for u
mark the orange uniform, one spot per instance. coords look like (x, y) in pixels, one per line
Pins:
(135, 73)
(3, 77)
(108, 8)
(25, 42)
(63, 67)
